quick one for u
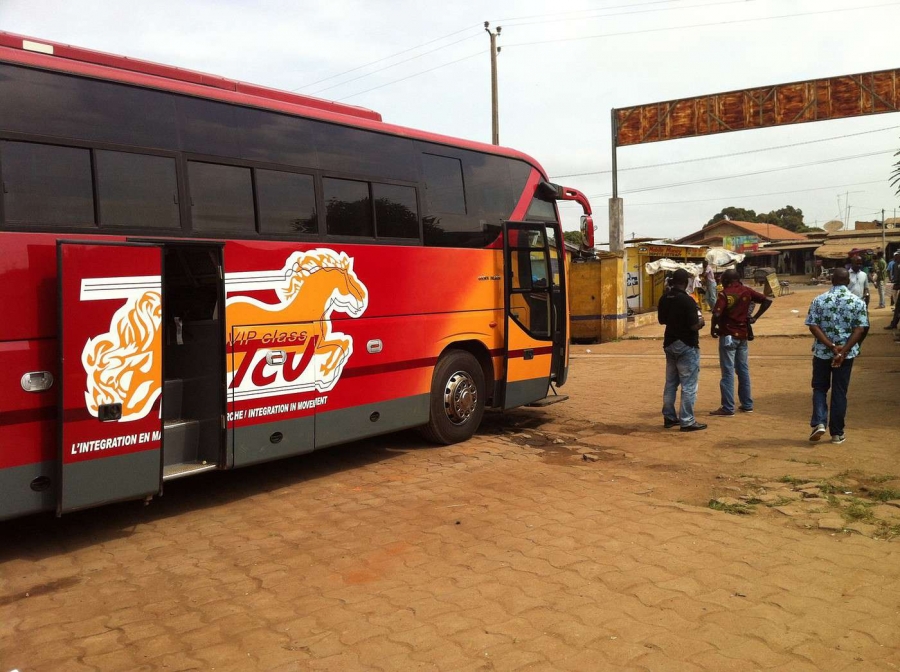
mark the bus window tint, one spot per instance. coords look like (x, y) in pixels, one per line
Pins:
(45, 184)
(444, 184)
(396, 215)
(541, 211)
(287, 203)
(206, 127)
(348, 210)
(137, 190)
(221, 198)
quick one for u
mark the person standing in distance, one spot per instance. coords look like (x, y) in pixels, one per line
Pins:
(710, 285)
(895, 291)
(683, 320)
(839, 321)
(880, 271)
(859, 280)
(731, 322)
(889, 278)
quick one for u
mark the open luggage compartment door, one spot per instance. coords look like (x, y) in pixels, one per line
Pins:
(110, 349)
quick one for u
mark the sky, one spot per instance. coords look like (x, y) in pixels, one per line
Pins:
(426, 64)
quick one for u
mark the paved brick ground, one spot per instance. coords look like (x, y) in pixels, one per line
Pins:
(509, 552)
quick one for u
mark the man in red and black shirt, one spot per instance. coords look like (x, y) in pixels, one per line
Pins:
(731, 324)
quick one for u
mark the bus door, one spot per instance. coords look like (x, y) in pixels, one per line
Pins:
(531, 316)
(110, 351)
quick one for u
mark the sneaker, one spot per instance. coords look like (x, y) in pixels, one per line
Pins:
(891, 326)
(745, 410)
(817, 433)
(668, 424)
(721, 411)
(696, 427)
(838, 438)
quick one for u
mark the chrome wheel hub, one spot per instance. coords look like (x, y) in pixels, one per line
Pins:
(460, 397)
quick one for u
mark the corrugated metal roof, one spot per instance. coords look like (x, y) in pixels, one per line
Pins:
(841, 248)
(813, 244)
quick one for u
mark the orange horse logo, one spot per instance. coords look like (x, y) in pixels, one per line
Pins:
(123, 366)
(311, 354)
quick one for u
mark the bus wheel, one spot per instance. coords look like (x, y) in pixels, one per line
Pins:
(457, 398)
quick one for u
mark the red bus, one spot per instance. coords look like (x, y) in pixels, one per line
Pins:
(198, 273)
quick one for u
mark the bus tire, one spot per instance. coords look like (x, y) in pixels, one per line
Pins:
(457, 399)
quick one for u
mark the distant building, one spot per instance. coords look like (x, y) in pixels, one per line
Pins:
(766, 245)
(837, 247)
(732, 234)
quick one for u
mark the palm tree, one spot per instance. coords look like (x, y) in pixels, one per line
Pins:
(895, 176)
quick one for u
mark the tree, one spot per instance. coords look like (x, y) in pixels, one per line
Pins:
(791, 218)
(895, 176)
(573, 237)
(788, 217)
(734, 214)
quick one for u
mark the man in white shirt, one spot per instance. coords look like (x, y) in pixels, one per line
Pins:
(859, 280)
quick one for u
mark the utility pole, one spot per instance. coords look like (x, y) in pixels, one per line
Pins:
(883, 248)
(495, 96)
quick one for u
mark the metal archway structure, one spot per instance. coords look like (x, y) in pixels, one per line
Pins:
(840, 97)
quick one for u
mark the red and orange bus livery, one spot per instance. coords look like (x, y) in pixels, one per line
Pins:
(199, 274)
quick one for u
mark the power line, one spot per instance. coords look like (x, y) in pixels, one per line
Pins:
(581, 11)
(725, 156)
(698, 25)
(444, 46)
(639, 11)
(740, 196)
(399, 53)
(403, 79)
(392, 65)
(750, 174)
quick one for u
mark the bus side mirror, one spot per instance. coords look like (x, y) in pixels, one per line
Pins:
(547, 191)
(587, 232)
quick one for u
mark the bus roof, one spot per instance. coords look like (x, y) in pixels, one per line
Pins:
(76, 60)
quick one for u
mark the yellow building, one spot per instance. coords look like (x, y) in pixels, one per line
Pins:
(643, 291)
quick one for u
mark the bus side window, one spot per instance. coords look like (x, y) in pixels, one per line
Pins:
(137, 190)
(444, 184)
(348, 208)
(46, 184)
(221, 198)
(287, 203)
(396, 214)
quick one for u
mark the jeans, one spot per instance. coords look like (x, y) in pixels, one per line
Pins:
(733, 359)
(682, 367)
(880, 294)
(711, 292)
(838, 379)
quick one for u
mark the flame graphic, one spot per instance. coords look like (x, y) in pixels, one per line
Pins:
(125, 364)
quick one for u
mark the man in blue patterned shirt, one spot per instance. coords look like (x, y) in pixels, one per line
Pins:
(839, 321)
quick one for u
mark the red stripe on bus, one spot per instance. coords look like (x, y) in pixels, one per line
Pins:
(24, 415)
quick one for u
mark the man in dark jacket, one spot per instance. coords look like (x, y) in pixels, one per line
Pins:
(683, 320)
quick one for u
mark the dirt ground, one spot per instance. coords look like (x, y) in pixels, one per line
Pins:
(581, 536)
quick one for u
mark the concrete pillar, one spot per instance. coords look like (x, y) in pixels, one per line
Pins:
(616, 225)
(613, 312)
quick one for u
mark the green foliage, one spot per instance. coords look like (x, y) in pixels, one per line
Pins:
(884, 494)
(858, 511)
(734, 509)
(573, 237)
(788, 217)
(734, 214)
(895, 176)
